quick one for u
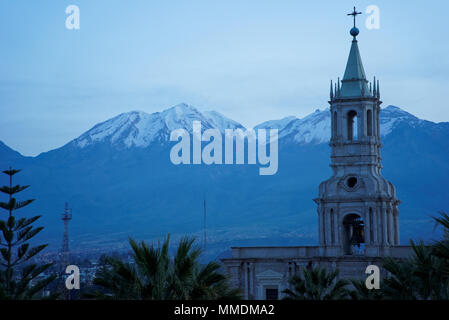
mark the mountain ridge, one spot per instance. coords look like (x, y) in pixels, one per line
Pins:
(118, 189)
(313, 128)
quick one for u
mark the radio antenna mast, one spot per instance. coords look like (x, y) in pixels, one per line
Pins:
(65, 253)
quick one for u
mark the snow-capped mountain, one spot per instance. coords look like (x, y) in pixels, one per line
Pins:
(140, 129)
(392, 116)
(316, 127)
(221, 122)
(276, 124)
(139, 192)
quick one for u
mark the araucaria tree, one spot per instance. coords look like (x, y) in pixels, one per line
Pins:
(15, 249)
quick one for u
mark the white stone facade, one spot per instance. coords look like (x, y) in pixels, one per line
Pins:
(256, 269)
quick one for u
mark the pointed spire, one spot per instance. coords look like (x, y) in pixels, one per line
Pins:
(374, 90)
(354, 80)
(354, 83)
(339, 90)
(378, 89)
(335, 91)
(370, 89)
(331, 93)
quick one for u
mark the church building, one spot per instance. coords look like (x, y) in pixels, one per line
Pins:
(358, 217)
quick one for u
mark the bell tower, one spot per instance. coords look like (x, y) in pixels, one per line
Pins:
(357, 206)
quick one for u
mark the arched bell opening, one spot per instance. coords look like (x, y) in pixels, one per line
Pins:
(352, 125)
(369, 123)
(353, 234)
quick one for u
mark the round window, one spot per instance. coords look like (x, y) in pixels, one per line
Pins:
(351, 182)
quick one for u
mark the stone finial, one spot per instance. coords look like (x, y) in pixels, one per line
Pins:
(331, 93)
(378, 90)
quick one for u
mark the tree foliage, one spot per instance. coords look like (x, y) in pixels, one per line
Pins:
(15, 248)
(359, 291)
(422, 276)
(154, 275)
(425, 275)
(317, 284)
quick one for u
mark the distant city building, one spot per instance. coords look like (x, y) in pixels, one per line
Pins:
(358, 217)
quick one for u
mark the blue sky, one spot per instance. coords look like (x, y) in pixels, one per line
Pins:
(250, 60)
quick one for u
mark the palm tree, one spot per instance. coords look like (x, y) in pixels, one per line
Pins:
(317, 284)
(423, 276)
(441, 248)
(361, 292)
(402, 283)
(209, 284)
(154, 275)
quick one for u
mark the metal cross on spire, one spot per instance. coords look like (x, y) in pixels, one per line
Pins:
(354, 14)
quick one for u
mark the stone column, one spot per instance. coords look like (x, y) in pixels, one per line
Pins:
(336, 228)
(380, 237)
(367, 227)
(378, 121)
(332, 219)
(384, 224)
(320, 231)
(375, 234)
(362, 121)
(245, 271)
(392, 228)
(323, 226)
(328, 227)
(339, 124)
(234, 272)
(359, 127)
(396, 226)
(387, 223)
(251, 280)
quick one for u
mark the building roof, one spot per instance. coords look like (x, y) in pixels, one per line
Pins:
(354, 83)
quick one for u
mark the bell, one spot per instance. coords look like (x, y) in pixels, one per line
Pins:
(358, 235)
